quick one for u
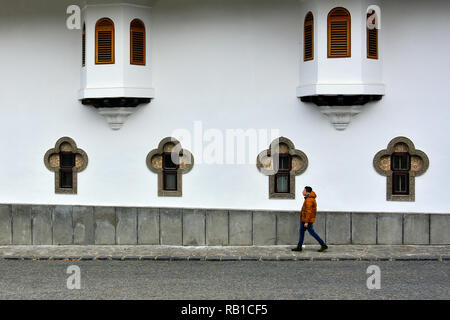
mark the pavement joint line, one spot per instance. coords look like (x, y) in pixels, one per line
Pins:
(148, 258)
(215, 258)
(304, 259)
(196, 258)
(281, 255)
(249, 258)
(212, 258)
(286, 258)
(368, 259)
(87, 258)
(133, 258)
(162, 258)
(269, 258)
(384, 259)
(228, 258)
(179, 258)
(231, 258)
(348, 259)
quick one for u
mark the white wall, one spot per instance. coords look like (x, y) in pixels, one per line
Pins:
(231, 64)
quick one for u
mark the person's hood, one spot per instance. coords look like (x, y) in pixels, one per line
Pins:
(312, 195)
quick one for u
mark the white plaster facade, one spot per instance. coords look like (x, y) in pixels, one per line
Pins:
(232, 64)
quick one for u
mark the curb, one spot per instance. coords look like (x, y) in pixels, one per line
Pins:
(222, 258)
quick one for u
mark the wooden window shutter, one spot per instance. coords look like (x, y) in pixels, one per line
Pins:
(104, 42)
(308, 38)
(137, 42)
(372, 41)
(83, 47)
(339, 30)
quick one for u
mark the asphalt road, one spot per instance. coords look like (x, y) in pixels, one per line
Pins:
(223, 280)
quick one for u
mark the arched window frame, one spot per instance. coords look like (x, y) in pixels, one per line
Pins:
(372, 37)
(401, 163)
(160, 161)
(333, 17)
(137, 26)
(66, 160)
(100, 28)
(308, 32)
(270, 163)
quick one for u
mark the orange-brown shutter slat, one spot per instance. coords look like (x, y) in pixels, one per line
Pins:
(372, 42)
(104, 42)
(137, 43)
(339, 34)
(309, 37)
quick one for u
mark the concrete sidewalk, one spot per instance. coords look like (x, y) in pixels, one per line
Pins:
(228, 253)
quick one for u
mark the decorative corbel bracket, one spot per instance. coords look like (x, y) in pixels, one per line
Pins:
(340, 108)
(115, 110)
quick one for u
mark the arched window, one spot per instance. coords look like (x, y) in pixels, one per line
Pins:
(161, 161)
(372, 36)
(401, 163)
(308, 39)
(339, 30)
(281, 163)
(104, 42)
(83, 46)
(137, 42)
(66, 160)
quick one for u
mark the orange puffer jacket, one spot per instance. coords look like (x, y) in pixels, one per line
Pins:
(309, 208)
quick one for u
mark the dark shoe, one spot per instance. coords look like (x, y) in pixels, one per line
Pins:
(297, 249)
(323, 248)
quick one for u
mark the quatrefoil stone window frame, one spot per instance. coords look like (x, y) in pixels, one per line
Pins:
(419, 165)
(268, 166)
(52, 163)
(154, 163)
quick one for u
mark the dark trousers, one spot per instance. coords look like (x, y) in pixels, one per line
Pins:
(311, 232)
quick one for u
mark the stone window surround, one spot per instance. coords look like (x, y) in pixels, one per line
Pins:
(414, 171)
(270, 172)
(183, 169)
(81, 162)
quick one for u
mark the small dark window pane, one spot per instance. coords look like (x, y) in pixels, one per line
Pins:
(284, 162)
(170, 181)
(400, 162)
(67, 159)
(282, 184)
(168, 163)
(66, 178)
(401, 183)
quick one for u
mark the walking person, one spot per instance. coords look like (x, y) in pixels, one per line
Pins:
(308, 217)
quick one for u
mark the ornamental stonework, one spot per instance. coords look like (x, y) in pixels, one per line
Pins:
(267, 164)
(419, 164)
(184, 160)
(52, 162)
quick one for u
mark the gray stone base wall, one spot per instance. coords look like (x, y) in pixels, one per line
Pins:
(88, 225)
